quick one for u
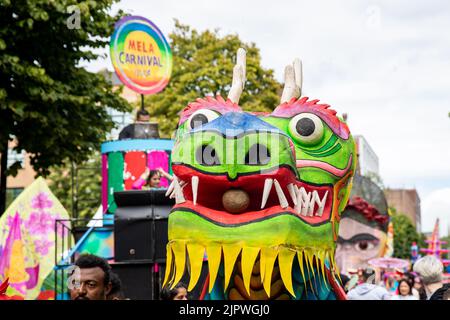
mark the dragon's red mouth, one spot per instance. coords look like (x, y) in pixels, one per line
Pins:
(270, 193)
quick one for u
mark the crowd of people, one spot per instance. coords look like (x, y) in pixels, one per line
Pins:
(98, 282)
(423, 282)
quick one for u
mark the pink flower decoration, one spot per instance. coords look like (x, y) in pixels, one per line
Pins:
(40, 222)
(41, 201)
(41, 246)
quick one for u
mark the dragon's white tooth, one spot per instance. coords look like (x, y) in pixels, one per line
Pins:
(321, 204)
(179, 197)
(298, 206)
(170, 189)
(194, 182)
(267, 187)
(315, 199)
(281, 197)
(304, 211)
(304, 201)
(292, 193)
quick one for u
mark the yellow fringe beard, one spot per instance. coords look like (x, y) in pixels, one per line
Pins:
(181, 253)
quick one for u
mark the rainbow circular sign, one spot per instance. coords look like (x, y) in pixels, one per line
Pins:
(140, 55)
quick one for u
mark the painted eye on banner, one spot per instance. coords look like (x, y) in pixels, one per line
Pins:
(306, 128)
(364, 245)
(201, 117)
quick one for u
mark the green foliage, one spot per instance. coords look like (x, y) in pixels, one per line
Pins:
(203, 65)
(86, 186)
(404, 235)
(54, 108)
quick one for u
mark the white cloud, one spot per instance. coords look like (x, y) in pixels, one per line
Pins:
(436, 205)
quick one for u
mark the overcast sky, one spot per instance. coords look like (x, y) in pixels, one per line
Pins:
(385, 63)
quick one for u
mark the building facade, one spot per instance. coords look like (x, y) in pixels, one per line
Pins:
(368, 163)
(407, 202)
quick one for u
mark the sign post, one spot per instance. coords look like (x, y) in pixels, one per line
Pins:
(140, 55)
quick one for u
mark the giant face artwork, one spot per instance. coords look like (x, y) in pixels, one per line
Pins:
(363, 228)
(260, 196)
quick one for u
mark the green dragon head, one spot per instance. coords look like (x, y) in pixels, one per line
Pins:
(252, 187)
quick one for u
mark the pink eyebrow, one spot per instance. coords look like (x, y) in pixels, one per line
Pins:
(326, 166)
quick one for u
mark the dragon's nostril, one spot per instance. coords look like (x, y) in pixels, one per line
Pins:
(206, 155)
(258, 154)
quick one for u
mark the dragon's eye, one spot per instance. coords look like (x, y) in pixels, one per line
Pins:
(201, 117)
(306, 128)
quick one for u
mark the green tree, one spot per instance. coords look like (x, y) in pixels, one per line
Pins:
(53, 107)
(404, 235)
(203, 65)
(78, 186)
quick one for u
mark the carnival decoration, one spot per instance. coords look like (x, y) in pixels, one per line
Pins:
(414, 252)
(435, 248)
(389, 263)
(27, 239)
(3, 288)
(140, 55)
(363, 233)
(260, 195)
(124, 161)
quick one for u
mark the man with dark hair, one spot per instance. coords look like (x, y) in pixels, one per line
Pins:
(93, 280)
(142, 116)
(116, 292)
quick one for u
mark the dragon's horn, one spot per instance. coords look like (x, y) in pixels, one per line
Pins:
(292, 81)
(237, 85)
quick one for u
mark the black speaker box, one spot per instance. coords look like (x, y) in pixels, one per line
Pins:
(138, 279)
(140, 225)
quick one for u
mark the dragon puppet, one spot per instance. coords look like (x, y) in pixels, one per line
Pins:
(259, 196)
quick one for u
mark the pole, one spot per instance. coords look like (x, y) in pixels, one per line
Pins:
(72, 174)
(142, 102)
(3, 167)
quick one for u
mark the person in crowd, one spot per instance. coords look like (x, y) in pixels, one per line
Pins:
(431, 269)
(418, 286)
(93, 280)
(344, 279)
(116, 292)
(151, 179)
(404, 291)
(179, 292)
(367, 290)
(142, 116)
(391, 283)
(411, 277)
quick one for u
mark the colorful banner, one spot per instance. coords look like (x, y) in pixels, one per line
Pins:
(27, 239)
(140, 55)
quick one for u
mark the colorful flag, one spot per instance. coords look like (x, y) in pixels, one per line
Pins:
(27, 239)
